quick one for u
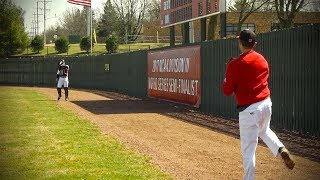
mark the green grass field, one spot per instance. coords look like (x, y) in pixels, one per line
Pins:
(74, 49)
(40, 140)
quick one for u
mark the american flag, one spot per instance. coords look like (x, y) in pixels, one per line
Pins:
(81, 2)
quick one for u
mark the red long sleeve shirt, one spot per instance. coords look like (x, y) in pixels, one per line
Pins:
(247, 77)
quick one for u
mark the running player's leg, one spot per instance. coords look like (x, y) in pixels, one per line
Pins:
(271, 139)
(59, 86)
(249, 141)
(66, 86)
(266, 134)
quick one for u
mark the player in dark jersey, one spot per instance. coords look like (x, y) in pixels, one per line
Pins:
(62, 79)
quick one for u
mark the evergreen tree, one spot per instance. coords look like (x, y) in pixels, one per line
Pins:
(62, 45)
(13, 37)
(112, 44)
(85, 44)
(37, 44)
(109, 22)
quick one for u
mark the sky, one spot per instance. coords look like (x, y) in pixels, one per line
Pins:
(55, 12)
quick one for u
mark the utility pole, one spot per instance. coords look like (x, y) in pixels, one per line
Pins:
(34, 25)
(34, 22)
(44, 19)
(38, 17)
(33, 28)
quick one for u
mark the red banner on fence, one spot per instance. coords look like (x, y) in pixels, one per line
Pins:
(174, 75)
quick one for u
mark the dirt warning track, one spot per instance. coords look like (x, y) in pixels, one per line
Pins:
(183, 142)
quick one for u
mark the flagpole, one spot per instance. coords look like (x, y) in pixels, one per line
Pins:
(91, 28)
(87, 4)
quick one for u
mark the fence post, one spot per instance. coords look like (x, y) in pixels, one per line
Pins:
(158, 37)
(172, 36)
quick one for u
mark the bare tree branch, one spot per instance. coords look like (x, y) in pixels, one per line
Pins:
(131, 13)
(247, 7)
(287, 10)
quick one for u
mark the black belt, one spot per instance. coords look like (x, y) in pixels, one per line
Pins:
(243, 107)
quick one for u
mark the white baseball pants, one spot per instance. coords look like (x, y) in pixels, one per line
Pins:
(63, 81)
(254, 122)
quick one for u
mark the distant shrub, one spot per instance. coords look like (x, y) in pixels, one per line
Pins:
(37, 44)
(112, 44)
(85, 44)
(62, 45)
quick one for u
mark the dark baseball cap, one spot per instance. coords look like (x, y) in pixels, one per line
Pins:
(247, 35)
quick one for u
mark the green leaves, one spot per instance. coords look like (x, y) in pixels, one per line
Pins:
(112, 44)
(62, 45)
(37, 44)
(85, 44)
(13, 38)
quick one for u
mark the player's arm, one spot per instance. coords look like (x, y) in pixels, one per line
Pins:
(66, 71)
(229, 82)
(57, 75)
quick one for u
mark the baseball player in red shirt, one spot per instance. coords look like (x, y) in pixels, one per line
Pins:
(247, 78)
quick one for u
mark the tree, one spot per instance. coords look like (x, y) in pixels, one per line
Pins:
(50, 32)
(62, 45)
(153, 10)
(112, 44)
(85, 44)
(109, 22)
(313, 5)
(74, 22)
(245, 9)
(236, 5)
(37, 44)
(55, 30)
(287, 10)
(212, 26)
(13, 37)
(131, 14)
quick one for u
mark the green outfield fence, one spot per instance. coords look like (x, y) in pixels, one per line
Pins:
(293, 55)
(294, 58)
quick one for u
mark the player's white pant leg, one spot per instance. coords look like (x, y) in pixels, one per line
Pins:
(66, 82)
(266, 134)
(60, 82)
(249, 131)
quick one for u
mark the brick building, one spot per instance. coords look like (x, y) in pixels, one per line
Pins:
(260, 22)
